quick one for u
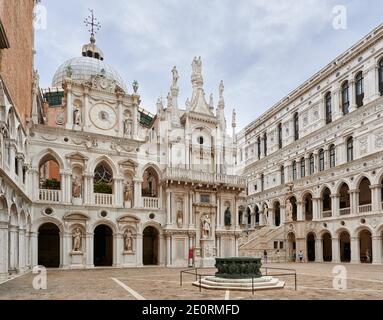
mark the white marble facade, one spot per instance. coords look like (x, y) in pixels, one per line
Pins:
(324, 153)
(102, 182)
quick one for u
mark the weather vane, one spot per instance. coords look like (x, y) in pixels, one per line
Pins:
(92, 23)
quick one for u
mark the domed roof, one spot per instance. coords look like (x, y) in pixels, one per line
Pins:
(83, 68)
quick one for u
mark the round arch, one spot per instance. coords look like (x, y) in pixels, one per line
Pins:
(150, 245)
(310, 241)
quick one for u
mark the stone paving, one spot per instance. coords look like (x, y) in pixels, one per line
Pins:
(315, 281)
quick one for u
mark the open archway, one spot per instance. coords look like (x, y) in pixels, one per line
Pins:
(365, 245)
(311, 247)
(277, 214)
(327, 247)
(345, 247)
(291, 247)
(103, 246)
(49, 246)
(308, 203)
(150, 246)
(293, 201)
(326, 203)
(345, 203)
(257, 217)
(365, 196)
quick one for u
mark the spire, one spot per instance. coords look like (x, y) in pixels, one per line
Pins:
(160, 106)
(211, 102)
(174, 90)
(221, 106)
(91, 50)
(234, 123)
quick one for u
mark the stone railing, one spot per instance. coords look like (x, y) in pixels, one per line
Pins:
(50, 195)
(345, 211)
(178, 174)
(150, 203)
(365, 208)
(103, 199)
(327, 214)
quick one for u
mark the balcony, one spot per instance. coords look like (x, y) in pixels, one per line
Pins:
(365, 208)
(177, 174)
(48, 195)
(103, 199)
(345, 211)
(151, 203)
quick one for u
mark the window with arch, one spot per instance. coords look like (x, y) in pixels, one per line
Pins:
(380, 70)
(345, 98)
(312, 164)
(321, 160)
(359, 89)
(262, 182)
(295, 171)
(350, 149)
(265, 144)
(282, 175)
(150, 184)
(103, 179)
(296, 126)
(303, 167)
(332, 156)
(259, 148)
(328, 102)
(280, 137)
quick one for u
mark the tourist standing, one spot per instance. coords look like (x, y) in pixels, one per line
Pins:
(265, 256)
(300, 256)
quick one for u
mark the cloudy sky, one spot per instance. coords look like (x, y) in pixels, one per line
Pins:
(262, 49)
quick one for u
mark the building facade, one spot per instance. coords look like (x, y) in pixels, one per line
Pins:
(314, 165)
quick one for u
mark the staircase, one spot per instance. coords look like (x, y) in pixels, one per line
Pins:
(263, 239)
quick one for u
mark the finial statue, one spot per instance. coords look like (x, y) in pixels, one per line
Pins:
(170, 100)
(221, 90)
(197, 66)
(176, 77)
(289, 211)
(187, 103)
(135, 86)
(234, 119)
(211, 103)
(160, 105)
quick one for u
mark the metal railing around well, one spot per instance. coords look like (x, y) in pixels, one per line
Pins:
(195, 272)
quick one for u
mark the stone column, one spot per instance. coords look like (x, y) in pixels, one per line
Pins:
(354, 199)
(377, 250)
(66, 248)
(120, 116)
(283, 214)
(4, 250)
(371, 84)
(376, 197)
(22, 248)
(168, 208)
(317, 209)
(300, 213)
(34, 248)
(337, 112)
(63, 187)
(139, 252)
(191, 223)
(13, 248)
(168, 251)
(118, 191)
(355, 250)
(135, 123)
(89, 238)
(69, 105)
(86, 107)
(262, 147)
(88, 189)
(335, 250)
(335, 205)
(236, 218)
(219, 212)
(272, 217)
(352, 94)
(137, 194)
(318, 250)
(116, 254)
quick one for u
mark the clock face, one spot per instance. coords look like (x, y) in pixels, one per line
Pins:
(103, 117)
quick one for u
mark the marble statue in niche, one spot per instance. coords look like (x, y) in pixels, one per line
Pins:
(128, 241)
(206, 226)
(77, 234)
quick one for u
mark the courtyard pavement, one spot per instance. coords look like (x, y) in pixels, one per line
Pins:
(315, 281)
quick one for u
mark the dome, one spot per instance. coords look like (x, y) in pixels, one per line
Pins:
(83, 68)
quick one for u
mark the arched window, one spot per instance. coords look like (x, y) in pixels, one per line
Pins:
(259, 148)
(280, 138)
(332, 156)
(303, 167)
(350, 149)
(282, 175)
(296, 126)
(294, 170)
(359, 89)
(265, 144)
(381, 77)
(312, 164)
(321, 160)
(103, 179)
(345, 98)
(328, 108)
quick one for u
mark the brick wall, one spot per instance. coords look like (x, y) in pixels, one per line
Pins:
(16, 63)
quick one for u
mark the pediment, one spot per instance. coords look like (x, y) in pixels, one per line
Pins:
(128, 163)
(76, 156)
(76, 217)
(128, 218)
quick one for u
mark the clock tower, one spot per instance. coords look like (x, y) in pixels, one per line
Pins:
(96, 98)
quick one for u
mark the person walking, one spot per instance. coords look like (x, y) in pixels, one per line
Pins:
(265, 256)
